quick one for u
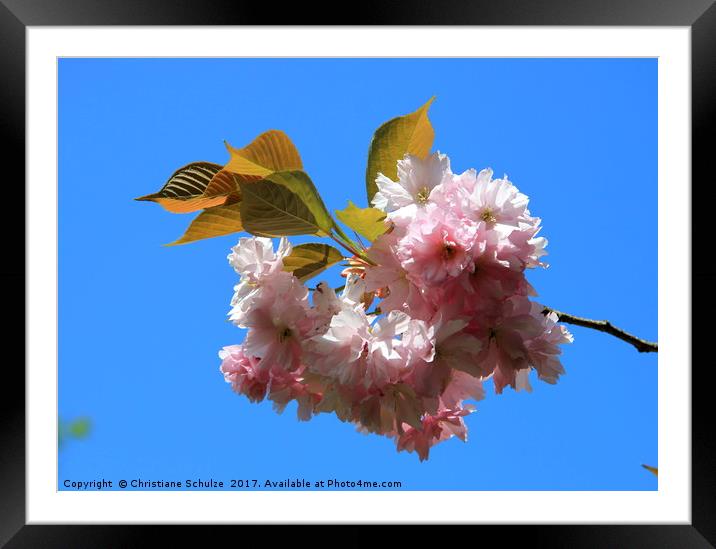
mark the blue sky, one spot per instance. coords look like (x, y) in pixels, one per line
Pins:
(140, 324)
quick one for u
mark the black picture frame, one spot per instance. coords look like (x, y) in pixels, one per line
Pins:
(16, 15)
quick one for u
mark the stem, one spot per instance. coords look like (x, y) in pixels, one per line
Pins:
(345, 241)
(340, 288)
(344, 244)
(343, 235)
(642, 345)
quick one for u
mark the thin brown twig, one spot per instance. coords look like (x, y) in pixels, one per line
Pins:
(641, 345)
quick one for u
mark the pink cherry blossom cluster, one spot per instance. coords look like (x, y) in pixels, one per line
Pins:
(451, 308)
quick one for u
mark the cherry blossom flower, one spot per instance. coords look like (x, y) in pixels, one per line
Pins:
(416, 180)
(289, 386)
(254, 256)
(436, 349)
(544, 350)
(260, 268)
(437, 246)
(242, 372)
(451, 306)
(435, 428)
(276, 327)
(495, 202)
(399, 293)
(355, 352)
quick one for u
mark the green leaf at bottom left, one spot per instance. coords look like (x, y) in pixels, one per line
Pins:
(217, 221)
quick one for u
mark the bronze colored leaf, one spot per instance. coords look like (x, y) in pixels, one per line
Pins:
(654, 470)
(270, 152)
(184, 191)
(224, 183)
(218, 221)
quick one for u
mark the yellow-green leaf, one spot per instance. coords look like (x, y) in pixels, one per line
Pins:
(284, 204)
(308, 260)
(184, 190)
(370, 222)
(409, 134)
(218, 221)
(654, 470)
(270, 152)
(79, 428)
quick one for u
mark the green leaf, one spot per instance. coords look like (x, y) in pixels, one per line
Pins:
(79, 428)
(370, 222)
(308, 260)
(218, 221)
(409, 134)
(184, 191)
(284, 204)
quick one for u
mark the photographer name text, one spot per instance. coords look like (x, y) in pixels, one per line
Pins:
(213, 484)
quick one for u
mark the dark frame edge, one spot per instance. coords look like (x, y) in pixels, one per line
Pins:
(12, 277)
(703, 114)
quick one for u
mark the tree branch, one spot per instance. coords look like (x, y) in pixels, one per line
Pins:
(642, 345)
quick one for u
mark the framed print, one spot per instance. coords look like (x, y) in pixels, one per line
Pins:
(298, 274)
